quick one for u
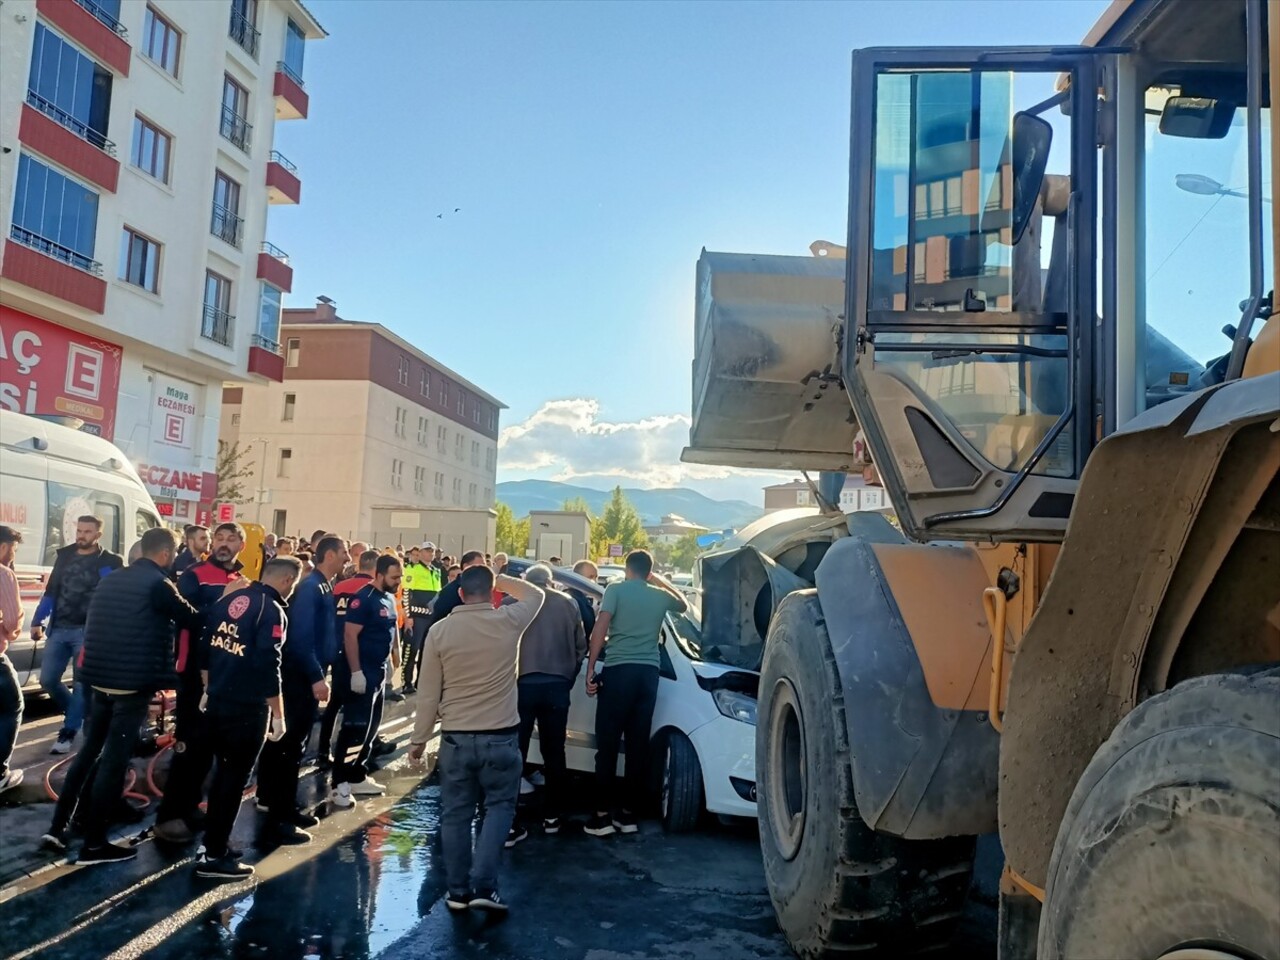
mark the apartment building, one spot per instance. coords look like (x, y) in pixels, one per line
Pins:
(856, 495)
(136, 171)
(366, 436)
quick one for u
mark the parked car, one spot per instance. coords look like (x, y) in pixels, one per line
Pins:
(606, 573)
(703, 733)
(51, 474)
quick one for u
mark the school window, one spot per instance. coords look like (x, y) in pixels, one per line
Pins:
(488, 496)
(475, 453)
(457, 491)
(419, 479)
(424, 383)
(402, 372)
(493, 419)
(457, 446)
(462, 404)
(150, 151)
(442, 439)
(423, 429)
(290, 401)
(161, 42)
(471, 495)
(402, 416)
(139, 260)
(235, 419)
(475, 413)
(397, 473)
(286, 463)
(291, 351)
(439, 486)
(444, 392)
(279, 522)
(488, 458)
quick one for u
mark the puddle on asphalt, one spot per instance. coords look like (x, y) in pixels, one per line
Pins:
(353, 900)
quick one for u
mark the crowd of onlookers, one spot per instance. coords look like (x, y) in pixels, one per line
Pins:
(327, 633)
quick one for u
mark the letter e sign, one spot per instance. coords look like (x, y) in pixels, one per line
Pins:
(174, 428)
(84, 371)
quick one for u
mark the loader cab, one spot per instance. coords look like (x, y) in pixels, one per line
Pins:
(1015, 293)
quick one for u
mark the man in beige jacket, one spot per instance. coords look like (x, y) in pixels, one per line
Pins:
(468, 681)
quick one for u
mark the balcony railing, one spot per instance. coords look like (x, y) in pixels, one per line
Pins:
(53, 249)
(236, 128)
(278, 157)
(266, 343)
(217, 325)
(225, 225)
(244, 33)
(78, 127)
(289, 72)
(105, 18)
(271, 250)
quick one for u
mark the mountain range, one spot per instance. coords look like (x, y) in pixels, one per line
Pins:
(522, 496)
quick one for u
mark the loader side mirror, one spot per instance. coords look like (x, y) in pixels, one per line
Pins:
(1032, 137)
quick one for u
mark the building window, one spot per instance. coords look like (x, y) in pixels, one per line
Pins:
(278, 522)
(802, 498)
(402, 416)
(235, 419)
(244, 22)
(269, 317)
(285, 466)
(493, 419)
(217, 321)
(444, 394)
(54, 214)
(226, 223)
(471, 495)
(475, 413)
(402, 372)
(439, 486)
(442, 439)
(235, 110)
(397, 473)
(457, 445)
(419, 479)
(424, 386)
(69, 88)
(423, 430)
(139, 260)
(291, 351)
(488, 497)
(161, 41)
(150, 152)
(457, 491)
(295, 41)
(475, 453)
(290, 402)
(488, 458)
(462, 404)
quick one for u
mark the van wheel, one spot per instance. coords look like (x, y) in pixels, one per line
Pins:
(1171, 841)
(681, 785)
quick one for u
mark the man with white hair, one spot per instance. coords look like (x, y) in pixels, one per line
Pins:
(551, 653)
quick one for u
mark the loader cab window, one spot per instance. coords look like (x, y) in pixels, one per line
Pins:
(1196, 238)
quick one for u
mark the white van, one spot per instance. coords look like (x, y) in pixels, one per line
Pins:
(49, 475)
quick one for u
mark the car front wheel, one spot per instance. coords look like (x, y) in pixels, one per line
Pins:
(682, 801)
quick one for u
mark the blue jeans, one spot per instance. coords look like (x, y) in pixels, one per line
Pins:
(62, 646)
(10, 711)
(477, 768)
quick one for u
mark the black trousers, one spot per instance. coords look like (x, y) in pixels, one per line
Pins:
(329, 718)
(98, 770)
(361, 715)
(546, 703)
(236, 733)
(282, 759)
(412, 650)
(192, 756)
(624, 709)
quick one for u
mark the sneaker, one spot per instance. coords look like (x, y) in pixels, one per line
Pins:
(303, 821)
(394, 696)
(107, 853)
(10, 780)
(202, 854)
(457, 902)
(526, 787)
(340, 797)
(625, 822)
(537, 779)
(54, 841)
(599, 826)
(515, 835)
(488, 901)
(551, 825)
(174, 831)
(287, 835)
(368, 787)
(225, 867)
(63, 743)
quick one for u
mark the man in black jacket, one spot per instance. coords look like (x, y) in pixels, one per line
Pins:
(241, 668)
(451, 596)
(128, 656)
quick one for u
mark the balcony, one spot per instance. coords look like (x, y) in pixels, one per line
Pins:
(217, 325)
(92, 27)
(274, 268)
(266, 358)
(291, 98)
(244, 33)
(42, 264)
(283, 185)
(54, 133)
(226, 226)
(235, 128)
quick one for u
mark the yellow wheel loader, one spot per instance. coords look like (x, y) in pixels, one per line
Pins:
(1050, 336)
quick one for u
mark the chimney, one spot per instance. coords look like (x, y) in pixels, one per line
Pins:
(326, 310)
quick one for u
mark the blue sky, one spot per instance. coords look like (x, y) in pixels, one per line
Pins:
(593, 149)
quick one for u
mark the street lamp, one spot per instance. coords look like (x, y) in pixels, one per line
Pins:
(1203, 186)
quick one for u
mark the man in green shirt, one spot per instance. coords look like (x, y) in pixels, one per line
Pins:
(628, 627)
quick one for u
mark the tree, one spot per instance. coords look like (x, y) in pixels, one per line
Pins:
(232, 472)
(619, 524)
(511, 535)
(577, 505)
(684, 552)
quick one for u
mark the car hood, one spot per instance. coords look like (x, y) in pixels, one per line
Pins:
(717, 676)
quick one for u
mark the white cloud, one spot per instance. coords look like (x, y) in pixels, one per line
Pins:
(566, 440)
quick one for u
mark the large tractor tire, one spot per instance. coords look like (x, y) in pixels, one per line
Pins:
(1171, 840)
(837, 885)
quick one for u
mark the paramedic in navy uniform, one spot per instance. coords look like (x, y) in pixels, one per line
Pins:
(242, 701)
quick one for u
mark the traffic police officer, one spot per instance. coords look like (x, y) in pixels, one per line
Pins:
(421, 583)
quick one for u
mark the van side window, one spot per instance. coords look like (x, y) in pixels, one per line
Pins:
(66, 503)
(144, 522)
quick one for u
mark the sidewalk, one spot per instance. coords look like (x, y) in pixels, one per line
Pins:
(25, 811)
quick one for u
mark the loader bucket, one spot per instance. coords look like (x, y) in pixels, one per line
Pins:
(740, 591)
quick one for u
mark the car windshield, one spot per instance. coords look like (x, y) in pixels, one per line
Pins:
(688, 632)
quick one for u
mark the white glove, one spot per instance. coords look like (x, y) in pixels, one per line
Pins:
(276, 730)
(204, 701)
(358, 683)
